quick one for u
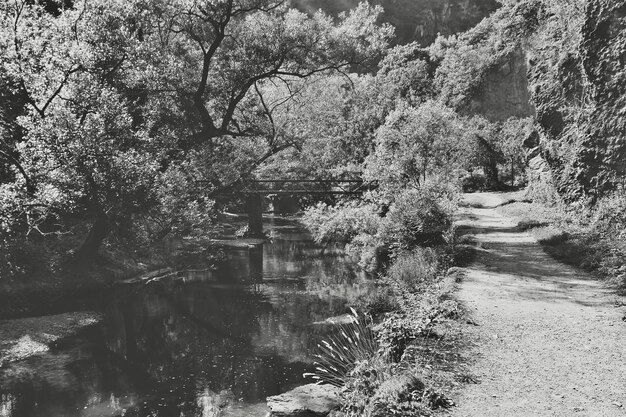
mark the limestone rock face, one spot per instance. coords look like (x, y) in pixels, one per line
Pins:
(603, 53)
(416, 20)
(579, 90)
(504, 92)
(310, 400)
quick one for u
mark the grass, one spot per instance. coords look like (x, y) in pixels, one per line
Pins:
(531, 215)
(348, 345)
(415, 268)
(550, 235)
(576, 238)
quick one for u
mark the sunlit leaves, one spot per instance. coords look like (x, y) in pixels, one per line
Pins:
(415, 142)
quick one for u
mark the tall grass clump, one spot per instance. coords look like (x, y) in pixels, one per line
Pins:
(415, 268)
(348, 345)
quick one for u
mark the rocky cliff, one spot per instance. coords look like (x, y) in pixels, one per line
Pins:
(504, 91)
(578, 86)
(603, 52)
(416, 20)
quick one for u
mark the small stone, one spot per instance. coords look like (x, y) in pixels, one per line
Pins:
(617, 404)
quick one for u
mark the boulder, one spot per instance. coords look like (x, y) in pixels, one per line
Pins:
(310, 400)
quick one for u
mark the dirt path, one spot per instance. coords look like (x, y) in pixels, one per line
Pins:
(549, 340)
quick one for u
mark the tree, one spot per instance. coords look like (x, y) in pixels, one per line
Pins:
(128, 101)
(331, 121)
(511, 136)
(415, 142)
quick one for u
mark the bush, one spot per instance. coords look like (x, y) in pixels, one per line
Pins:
(361, 386)
(609, 230)
(415, 219)
(472, 183)
(381, 299)
(414, 268)
(394, 335)
(372, 255)
(341, 223)
(609, 215)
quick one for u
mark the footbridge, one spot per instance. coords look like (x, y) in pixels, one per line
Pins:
(256, 190)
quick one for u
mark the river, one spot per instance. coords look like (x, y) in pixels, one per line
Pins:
(206, 343)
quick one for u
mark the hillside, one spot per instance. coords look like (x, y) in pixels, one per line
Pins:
(416, 20)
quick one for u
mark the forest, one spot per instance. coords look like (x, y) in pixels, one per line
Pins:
(129, 130)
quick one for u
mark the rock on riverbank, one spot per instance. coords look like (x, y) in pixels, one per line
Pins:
(21, 338)
(310, 400)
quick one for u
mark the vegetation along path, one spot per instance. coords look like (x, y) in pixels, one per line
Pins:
(549, 340)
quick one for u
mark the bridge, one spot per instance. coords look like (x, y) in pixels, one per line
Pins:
(255, 190)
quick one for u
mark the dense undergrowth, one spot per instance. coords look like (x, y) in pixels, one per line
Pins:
(589, 237)
(410, 246)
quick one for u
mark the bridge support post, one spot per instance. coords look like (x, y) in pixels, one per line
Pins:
(254, 205)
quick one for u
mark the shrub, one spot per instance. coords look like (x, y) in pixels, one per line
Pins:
(361, 386)
(394, 335)
(372, 255)
(609, 215)
(473, 182)
(414, 268)
(415, 219)
(609, 230)
(341, 223)
(380, 300)
(405, 395)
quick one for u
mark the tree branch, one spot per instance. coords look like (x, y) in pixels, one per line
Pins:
(30, 188)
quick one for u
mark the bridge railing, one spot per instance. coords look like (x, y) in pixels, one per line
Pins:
(288, 186)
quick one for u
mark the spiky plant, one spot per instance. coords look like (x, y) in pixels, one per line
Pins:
(348, 344)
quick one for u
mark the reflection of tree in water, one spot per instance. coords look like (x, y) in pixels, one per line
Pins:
(225, 339)
(57, 383)
(200, 337)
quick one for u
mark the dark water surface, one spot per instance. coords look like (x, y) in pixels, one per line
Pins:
(208, 343)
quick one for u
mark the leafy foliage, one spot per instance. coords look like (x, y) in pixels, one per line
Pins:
(140, 115)
(341, 223)
(415, 219)
(414, 269)
(465, 59)
(413, 144)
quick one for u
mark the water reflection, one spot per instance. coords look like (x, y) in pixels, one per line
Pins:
(208, 343)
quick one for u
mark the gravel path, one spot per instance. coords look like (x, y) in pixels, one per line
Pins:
(549, 340)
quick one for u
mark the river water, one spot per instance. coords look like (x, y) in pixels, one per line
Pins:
(207, 343)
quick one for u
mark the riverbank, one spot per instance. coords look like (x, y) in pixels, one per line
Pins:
(49, 280)
(22, 338)
(547, 338)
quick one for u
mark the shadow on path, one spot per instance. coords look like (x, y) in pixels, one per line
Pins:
(550, 340)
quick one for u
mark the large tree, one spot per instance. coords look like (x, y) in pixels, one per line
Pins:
(128, 102)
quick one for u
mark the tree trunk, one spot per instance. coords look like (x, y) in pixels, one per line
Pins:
(512, 173)
(255, 215)
(99, 231)
(491, 172)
